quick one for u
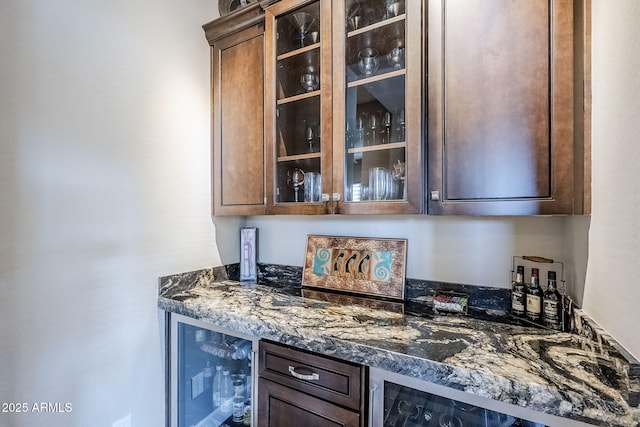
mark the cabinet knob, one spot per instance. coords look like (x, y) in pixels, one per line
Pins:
(336, 197)
(435, 195)
(325, 197)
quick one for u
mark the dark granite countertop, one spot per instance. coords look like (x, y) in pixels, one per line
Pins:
(562, 374)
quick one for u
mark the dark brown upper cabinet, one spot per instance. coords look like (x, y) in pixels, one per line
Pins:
(501, 107)
(445, 107)
(237, 93)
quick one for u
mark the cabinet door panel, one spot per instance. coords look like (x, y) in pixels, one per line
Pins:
(500, 107)
(242, 108)
(238, 130)
(280, 406)
(377, 153)
(298, 102)
(497, 89)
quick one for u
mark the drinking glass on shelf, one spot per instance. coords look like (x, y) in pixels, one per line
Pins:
(374, 129)
(310, 134)
(314, 36)
(312, 187)
(295, 178)
(386, 122)
(395, 57)
(378, 183)
(355, 22)
(368, 61)
(354, 16)
(392, 8)
(359, 131)
(309, 80)
(391, 187)
(400, 125)
(302, 21)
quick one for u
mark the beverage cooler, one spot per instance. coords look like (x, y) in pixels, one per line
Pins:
(417, 403)
(211, 379)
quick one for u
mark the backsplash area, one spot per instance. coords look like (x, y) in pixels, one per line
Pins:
(483, 301)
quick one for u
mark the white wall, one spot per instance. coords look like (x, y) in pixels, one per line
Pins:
(104, 186)
(612, 293)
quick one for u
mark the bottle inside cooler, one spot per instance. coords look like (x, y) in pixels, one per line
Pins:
(407, 407)
(214, 372)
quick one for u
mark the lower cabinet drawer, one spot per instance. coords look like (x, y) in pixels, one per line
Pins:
(281, 406)
(336, 381)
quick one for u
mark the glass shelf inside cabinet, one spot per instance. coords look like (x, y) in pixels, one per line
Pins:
(298, 89)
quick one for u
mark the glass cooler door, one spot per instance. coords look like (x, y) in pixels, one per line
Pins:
(401, 401)
(212, 377)
(413, 408)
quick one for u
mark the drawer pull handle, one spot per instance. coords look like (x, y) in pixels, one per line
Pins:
(308, 377)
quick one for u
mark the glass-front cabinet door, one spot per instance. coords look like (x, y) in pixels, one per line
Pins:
(343, 106)
(377, 118)
(298, 105)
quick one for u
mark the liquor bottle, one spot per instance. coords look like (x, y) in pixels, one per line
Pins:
(534, 298)
(518, 297)
(552, 304)
(207, 373)
(226, 392)
(238, 401)
(217, 387)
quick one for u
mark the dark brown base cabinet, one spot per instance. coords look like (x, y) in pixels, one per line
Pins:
(282, 406)
(298, 388)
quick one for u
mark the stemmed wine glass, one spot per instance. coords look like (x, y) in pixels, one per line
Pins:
(295, 178)
(400, 125)
(309, 79)
(309, 135)
(374, 122)
(303, 22)
(386, 122)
